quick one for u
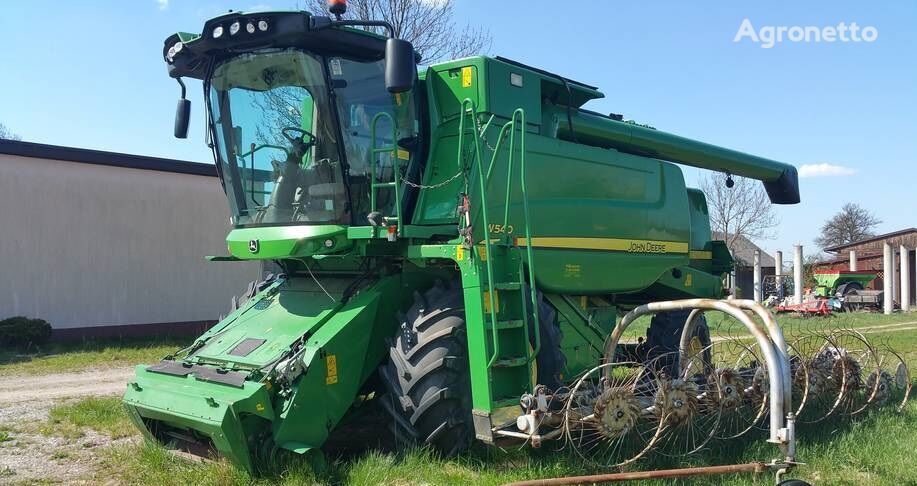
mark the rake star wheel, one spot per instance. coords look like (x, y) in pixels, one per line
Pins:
(741, 377)
(822, 391)
(616, 411)
(729, 394)
(880, 383)
(689, 408)
(677, 400)
(891, 384)
(854, 360)
(607, 417)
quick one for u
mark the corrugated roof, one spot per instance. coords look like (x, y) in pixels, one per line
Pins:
(99, 157)
(744, 251)
(871, 239)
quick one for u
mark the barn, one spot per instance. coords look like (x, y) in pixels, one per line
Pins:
(867, 254)
(102, 243)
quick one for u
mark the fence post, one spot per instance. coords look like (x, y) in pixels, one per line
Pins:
(778, 274)
(757, 276)
(797, 274)
(905, 279)
(888, 274)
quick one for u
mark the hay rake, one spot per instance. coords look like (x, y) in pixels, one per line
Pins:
(740, 384)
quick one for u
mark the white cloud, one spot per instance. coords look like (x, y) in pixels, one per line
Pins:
(824, 169)
(163, 4)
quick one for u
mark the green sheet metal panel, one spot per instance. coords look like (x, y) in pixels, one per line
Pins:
(602, 221)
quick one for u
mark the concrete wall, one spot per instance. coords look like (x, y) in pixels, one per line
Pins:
(91, 245)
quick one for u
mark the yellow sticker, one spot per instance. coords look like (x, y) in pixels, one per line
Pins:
(404, 154)
(689, 279)
(487, 307)
(459, 252)
(482, 252)
(331, 363)
(398, 99)
(259, 407)
(466, 77)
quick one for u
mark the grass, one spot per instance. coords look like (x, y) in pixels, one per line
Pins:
(869, 450)
(86, 355)
(872, 449)
(105, 415)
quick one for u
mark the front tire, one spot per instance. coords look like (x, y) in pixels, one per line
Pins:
(427, 375)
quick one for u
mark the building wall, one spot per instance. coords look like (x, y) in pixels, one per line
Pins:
(745, 280)
(91, 245)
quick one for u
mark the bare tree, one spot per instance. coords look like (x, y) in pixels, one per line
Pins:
(743, 210)
(852, 223)
(6, 134)
(428, 24)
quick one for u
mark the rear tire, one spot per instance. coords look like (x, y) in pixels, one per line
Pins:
(664, 337)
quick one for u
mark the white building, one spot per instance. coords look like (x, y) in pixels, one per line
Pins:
(103, 243)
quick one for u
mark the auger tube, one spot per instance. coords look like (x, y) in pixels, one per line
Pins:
(780, 180)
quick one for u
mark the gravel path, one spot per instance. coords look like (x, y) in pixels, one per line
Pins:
(29, 456)
(28, 388)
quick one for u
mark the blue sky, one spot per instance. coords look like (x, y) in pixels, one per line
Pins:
(90, 75)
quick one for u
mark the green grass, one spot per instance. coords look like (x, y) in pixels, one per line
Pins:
(105, 415)
(85, 355)
(868, 450)
(872, 449)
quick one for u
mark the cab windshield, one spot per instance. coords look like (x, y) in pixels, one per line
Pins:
(294, 150)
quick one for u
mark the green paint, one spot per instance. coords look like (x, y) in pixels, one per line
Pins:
(594, 211)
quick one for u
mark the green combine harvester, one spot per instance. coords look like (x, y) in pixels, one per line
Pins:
(456, 243)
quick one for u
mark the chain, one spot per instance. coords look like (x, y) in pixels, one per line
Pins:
(435, 186)
(457, 174)
(482, 137)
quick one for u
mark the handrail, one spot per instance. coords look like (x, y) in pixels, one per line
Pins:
(469, 108)
(396, 166)
(517, 120)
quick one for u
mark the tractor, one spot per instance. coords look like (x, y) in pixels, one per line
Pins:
(455, 243)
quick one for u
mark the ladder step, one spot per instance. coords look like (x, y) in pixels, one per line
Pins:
(384, 184)
(510, 362)
(508, 286)
(508, 324)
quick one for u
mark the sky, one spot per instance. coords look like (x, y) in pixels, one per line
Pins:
(90, 74)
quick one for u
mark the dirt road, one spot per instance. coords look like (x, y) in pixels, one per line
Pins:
(22, 388)
(28, 455)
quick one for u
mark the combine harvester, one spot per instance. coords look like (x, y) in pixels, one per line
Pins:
(458, 246)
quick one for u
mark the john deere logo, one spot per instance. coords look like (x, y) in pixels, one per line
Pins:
(253, 246)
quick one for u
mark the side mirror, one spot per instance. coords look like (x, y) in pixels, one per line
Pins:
(400, 70)
(182, 118)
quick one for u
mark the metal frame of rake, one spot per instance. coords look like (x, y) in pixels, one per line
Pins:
(619, 411)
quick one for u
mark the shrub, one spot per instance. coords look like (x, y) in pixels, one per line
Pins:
(23, 332)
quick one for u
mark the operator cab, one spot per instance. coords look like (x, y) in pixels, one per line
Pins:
(301, 111)
(294, 133)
